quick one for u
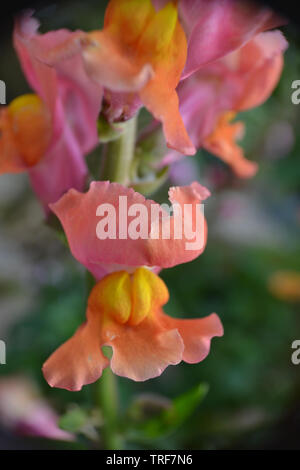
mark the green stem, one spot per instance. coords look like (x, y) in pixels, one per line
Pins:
(108, 401)
(117, 164)
(106, 396)
(118, 155)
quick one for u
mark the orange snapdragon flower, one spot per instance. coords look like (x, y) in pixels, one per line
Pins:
(143, 51)
(25, 127)
(125, 312)
(124, 308)
(140, 51)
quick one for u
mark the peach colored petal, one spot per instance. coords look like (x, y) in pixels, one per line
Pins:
(261, 63)
(242, 79)
(188, 194)
(144, 351)
(77, 362)
(222, 142)
(196, 334)
(77, 213)
(165, 107)
(142, 50)
(160, 97)
(119, 74)
(201, 97)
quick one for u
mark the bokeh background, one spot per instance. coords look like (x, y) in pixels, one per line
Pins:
(252, 398)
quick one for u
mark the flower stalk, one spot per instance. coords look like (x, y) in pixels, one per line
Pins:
(118, 155)
(108, 402)
(118, 158)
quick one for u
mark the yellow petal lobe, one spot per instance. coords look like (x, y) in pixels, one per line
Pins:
(30, 125)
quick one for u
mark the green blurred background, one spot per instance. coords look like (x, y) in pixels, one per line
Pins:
(253, 401)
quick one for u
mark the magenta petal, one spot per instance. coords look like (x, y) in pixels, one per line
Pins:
(61, 169)
(214, 28)
(73, 100)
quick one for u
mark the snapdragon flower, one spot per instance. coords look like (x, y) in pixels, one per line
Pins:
(124, 308)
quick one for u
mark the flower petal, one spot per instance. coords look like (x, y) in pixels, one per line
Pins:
(25, 133)
(119, 73)
(222, 142)
(10, 159)
(61, 168)
(110, 55)
(216, 28)
(120, 106)
(78, 215)
(164, 106)
(77, 362)
(201, 99)
(196, 334)
(41, 77)
(242, 79)
(143, 351)
(260, 67)
(159, 95)
(25, 412)
(59, 77)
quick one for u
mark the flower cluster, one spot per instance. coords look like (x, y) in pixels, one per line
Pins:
(193, 65)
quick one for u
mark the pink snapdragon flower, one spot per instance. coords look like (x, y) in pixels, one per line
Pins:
(146, 47)
(125, 307)
(24, 411)
(48, 133)
(212, 30)
(210, 98)
(215, 28)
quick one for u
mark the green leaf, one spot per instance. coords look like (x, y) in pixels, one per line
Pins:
(171, 418)
(151, 184)
(109, 131)
(73, 420)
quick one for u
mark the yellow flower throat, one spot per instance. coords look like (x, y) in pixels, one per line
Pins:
(129, 298)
